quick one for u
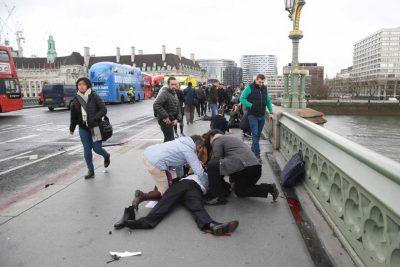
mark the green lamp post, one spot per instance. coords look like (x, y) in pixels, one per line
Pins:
(295, 96)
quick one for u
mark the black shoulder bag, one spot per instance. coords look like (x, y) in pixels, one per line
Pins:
(105, 126)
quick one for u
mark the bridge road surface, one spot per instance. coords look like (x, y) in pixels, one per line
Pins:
(68, 223)
(35, 144)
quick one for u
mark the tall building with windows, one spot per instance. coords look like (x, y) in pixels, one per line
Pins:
(376, 62)
(216, 67)
(258, 64)
(315, 80)
(275, 85)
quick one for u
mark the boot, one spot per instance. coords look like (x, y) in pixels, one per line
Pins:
(275, 192)
(140, 197)
(129, 214)
(223, 228)
(90, 174)
(107, 161)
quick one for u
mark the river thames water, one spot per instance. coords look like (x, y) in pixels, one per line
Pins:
(378, 133)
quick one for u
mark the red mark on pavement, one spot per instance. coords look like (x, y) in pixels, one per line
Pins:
(295, 208)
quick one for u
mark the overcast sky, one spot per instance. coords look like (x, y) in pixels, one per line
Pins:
(208, 28)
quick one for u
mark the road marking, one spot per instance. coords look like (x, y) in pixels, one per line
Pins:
(1, 160)
(41, 159)
(22, 127)
(70, 149)
(13, 140)
(30, 157)
(133, 125)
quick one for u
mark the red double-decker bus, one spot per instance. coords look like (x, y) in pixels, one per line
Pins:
(10, 91)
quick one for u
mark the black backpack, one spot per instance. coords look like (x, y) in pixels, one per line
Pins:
(244, 123)
(294, 171)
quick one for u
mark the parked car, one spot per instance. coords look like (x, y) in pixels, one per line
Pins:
(58, 95)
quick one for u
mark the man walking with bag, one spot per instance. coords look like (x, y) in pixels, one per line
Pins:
(166, 107)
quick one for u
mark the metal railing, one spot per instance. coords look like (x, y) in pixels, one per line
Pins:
(356, 189)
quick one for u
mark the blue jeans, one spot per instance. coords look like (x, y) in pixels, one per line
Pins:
(256, 126)
(88, 145)
(213, 110)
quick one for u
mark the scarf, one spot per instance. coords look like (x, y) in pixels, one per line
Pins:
(96, 134)
(85, 97)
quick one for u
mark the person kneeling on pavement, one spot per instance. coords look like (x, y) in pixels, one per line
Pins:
(232, 157)
(188, 191)
(219, 122)
(161, 158)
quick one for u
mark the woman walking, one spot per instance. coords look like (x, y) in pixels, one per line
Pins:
(87, 110)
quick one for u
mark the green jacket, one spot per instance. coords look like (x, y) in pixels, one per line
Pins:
(246, 92)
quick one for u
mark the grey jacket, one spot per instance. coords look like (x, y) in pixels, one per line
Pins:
(234, 155)
(176, 154)
(167, 105)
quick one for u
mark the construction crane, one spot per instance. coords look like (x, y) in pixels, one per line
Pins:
(4, 22)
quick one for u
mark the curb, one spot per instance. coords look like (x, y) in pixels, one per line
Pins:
(34, 106)
(321, 241)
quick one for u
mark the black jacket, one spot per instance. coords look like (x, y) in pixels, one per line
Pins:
(167, 105)
(258, 98)
(219, 122)
(213, 95)
(96, 109)
(200, 94)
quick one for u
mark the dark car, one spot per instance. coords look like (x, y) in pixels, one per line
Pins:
(58, 95)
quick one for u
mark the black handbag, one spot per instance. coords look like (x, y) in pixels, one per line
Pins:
(105, 126)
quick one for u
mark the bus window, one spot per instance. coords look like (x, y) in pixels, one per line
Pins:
(4, 56)
(9, 86)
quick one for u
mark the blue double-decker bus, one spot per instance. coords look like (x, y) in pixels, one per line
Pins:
(112, 81)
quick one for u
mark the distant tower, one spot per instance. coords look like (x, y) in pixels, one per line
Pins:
(20, 39)
(51, 50)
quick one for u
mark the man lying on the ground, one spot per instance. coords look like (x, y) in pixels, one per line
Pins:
(232, 157)
(160, 158)
(188, 191)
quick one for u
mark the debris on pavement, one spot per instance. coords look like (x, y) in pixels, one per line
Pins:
(151, 204)
(47, 185)
(124, 254)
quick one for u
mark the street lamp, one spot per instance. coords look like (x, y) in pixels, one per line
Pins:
(289, 6)
(293, 98)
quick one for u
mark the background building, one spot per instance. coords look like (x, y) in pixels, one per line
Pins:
(166, 64)
(215, 68)
(232, 76)
(275, 85)
(258, 64)
(315, 80)
(340, 86)
(376, 63)
(33, 72)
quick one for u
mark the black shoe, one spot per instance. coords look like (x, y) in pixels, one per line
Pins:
(90, 175)
(107, 161)
(223, 228)
(129, 214)
(275, 192)
(216, 201)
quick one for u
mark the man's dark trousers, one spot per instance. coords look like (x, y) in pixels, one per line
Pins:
(245, 182)
(217, 187)
(188, 193)
(168, 131)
